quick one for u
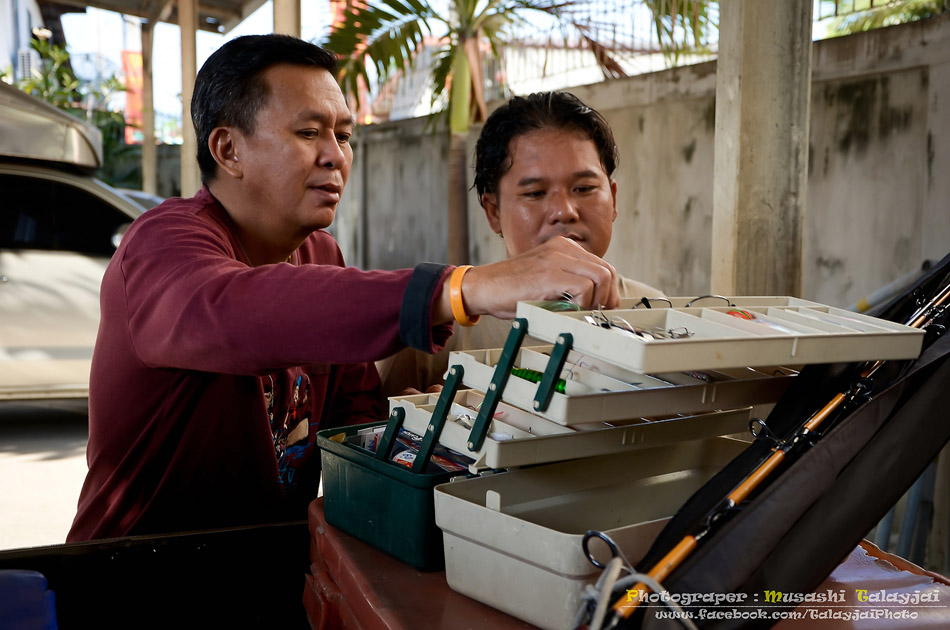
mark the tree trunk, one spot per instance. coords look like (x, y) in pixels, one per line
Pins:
(458, 201)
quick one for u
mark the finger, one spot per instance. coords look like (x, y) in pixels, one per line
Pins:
(595, 283)
(576, 289)
(611, 299)
(586, 294)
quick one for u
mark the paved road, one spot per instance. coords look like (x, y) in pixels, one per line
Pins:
(42, 467)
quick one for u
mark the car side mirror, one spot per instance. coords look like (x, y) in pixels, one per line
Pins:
(118, 234)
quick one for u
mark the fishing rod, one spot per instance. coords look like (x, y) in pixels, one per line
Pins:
(626, 605)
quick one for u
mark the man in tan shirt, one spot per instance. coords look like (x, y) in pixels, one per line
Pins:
(543, 168)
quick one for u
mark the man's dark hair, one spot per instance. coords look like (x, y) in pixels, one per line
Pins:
(230, 88)
(523, 114)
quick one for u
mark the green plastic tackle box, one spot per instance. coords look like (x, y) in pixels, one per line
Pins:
(382, 503)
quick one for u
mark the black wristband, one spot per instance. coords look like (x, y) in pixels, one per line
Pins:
(415, 314)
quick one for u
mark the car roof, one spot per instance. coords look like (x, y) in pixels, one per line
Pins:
(32, 129)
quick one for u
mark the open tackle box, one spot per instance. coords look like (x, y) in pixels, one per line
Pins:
(638, 387)
(528, 524)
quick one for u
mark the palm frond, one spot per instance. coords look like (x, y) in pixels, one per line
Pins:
(441, 77)
(675, 20)
(442, 70)
(514, 11)
(494, 29)
(384, 35)
(892, 13)
(608, 64)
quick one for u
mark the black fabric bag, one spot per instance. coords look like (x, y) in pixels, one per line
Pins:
(801, 523)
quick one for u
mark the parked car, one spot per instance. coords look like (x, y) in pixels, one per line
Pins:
(59, 226)
(144, 199)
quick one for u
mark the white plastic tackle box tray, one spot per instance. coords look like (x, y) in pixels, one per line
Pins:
(740, 301)
(781, 331)
(596, 391)
(518, 438)
(528, 524)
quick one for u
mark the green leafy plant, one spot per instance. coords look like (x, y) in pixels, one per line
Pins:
(55, 83)
(867, 15)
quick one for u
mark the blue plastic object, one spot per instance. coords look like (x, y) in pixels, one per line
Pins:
(26, 603)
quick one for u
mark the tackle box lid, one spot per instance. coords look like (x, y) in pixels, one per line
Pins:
(748, 331)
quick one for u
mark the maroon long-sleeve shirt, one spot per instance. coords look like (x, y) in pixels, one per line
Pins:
(210, 378)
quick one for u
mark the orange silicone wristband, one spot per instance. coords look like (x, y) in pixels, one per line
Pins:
(455, 297)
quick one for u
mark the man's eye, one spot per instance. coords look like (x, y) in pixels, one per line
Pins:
(308, 133)
(533, 194)
(343, 138)
(585, 189)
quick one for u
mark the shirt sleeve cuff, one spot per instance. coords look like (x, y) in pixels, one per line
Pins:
(415, 314)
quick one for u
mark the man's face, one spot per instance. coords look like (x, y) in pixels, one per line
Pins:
(556, 186)
(296, 161)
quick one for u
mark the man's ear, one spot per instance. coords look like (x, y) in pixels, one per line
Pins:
(613, 193)
(224, 150)
(490, 205)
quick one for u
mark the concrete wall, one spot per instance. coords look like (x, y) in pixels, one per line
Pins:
(664, 125)
(878, 203)
(393, 212)
(880, 142)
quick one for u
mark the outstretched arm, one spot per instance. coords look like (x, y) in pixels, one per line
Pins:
(546, 272)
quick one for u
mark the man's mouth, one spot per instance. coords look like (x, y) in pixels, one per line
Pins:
(329, 192)
(330, 188)
(573, 237)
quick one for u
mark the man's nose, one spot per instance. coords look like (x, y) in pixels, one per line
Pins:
(562, 209)
(332, 155)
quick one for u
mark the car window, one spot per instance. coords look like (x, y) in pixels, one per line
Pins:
(41, 214)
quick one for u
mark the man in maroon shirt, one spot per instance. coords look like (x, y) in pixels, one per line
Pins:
(231, 329)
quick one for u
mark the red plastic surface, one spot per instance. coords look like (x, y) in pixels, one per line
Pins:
(356, 587)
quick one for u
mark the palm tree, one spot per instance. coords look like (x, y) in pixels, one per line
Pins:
(388, 34)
